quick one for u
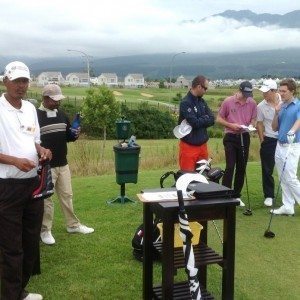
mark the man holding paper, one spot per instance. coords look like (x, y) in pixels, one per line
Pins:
(238, 116)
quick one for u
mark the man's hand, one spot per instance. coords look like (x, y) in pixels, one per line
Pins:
(76, 132)
(235, 127)
(24, 164)
(290, 136)
(45, 154)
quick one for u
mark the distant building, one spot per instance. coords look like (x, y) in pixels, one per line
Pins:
(181, 81)
(77, 79)
(109, 79)
(134, 80)
(50, 77)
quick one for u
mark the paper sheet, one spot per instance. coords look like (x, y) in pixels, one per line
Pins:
(164, 196)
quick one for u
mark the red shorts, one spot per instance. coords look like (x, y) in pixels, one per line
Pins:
(190, 154)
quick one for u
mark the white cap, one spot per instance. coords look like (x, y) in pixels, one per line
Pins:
(268, 84)
(182, 130)
(53, 91)
(16, 69)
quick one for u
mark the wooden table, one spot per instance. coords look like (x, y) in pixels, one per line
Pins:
(197, 210)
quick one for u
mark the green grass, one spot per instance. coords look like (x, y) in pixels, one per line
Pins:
(101, 266)
(84, 155)
(132, 97)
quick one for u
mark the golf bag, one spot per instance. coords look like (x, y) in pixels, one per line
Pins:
(138, 239)
(212, 174)
(45, 188)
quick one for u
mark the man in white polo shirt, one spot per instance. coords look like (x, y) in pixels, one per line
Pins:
(267, 137)
(20, 215)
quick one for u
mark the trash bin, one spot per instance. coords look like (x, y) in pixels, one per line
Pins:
(126, 163)
(123, 129)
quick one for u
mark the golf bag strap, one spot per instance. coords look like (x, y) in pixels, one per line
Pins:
(164, 176)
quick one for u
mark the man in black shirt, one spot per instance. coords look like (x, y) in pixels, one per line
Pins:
(55, 134)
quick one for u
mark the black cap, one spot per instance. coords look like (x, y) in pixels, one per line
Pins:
(246, 89)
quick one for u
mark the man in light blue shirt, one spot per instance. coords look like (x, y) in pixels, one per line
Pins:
(287, 122)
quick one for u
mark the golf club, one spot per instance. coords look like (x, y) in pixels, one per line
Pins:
(218, 232)
(268, 233)
(248, 211)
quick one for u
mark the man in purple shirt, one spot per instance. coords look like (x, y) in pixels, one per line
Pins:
(236, 111)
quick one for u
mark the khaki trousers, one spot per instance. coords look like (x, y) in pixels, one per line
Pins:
(61, 178)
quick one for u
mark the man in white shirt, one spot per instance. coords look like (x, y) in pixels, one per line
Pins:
(20, 215)
(267, 137)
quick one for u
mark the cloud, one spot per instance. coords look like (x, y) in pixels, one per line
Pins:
(117, 28)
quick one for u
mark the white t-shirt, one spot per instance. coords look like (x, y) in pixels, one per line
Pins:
(265, 114)
(19, 131)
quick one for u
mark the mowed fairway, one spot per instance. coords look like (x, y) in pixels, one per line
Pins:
(163, 97)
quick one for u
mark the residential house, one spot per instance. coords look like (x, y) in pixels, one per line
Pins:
(50, 77)
(109, 79)
(77, 79)
(134, 80)
(181, 81)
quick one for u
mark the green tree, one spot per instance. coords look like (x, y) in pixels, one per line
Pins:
(100, 109)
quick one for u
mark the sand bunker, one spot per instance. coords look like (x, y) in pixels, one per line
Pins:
(117, 93)
(147, 95)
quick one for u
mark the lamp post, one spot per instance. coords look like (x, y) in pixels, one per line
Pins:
(171, 66)
(87, 63)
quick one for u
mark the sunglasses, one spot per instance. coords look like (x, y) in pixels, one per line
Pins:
(204, 87)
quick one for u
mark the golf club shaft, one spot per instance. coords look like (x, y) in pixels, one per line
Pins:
(245, 166)
(218, 232)
(278, 188)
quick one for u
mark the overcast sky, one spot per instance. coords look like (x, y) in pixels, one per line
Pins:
(119, 27)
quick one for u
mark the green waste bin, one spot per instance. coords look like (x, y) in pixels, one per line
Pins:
(126, 163)
(123, 129)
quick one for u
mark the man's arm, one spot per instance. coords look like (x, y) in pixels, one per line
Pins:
(22, 164)
(232, 126)
(275, 119)
(296, 126)
(260, 130)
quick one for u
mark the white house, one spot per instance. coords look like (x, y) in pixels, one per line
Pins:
(50, 77)
(109, 79)
(181, 81)
(134, 80)
(77, 79)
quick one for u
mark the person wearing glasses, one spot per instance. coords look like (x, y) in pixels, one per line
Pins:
(195, 112)
(235, 112)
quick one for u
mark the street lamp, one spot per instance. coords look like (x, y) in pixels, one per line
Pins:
(87, 63)
(170, 74)
(171, 66)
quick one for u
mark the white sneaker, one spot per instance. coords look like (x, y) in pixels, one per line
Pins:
(80, 229)
(241, 202)
(268, 202)
(282, 210)
(47, 238)
(32, 296)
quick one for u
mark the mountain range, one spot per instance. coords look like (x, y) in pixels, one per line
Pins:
(288, 20)
(276, 63)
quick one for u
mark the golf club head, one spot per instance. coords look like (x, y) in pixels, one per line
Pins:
(269, 234)
(247, 212)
